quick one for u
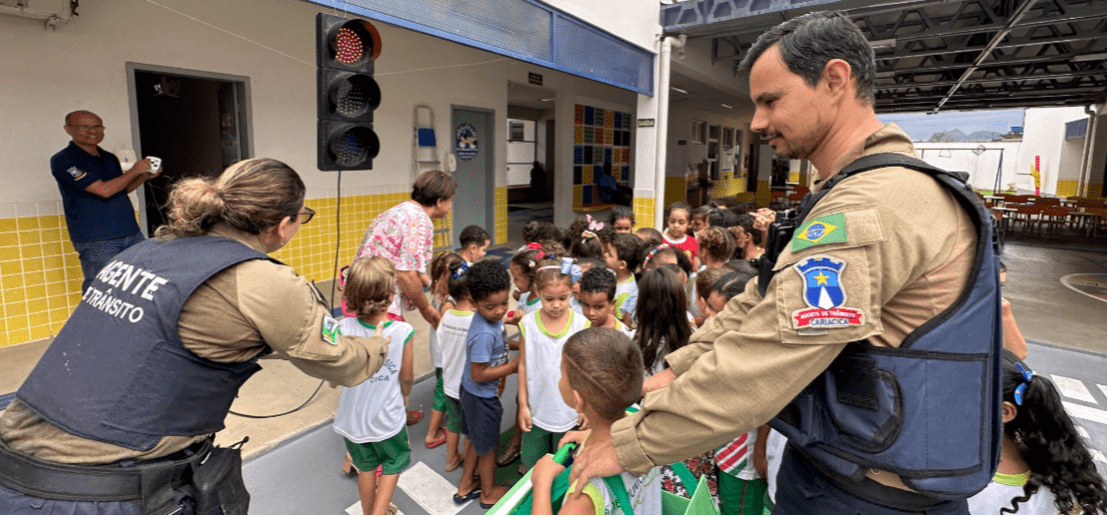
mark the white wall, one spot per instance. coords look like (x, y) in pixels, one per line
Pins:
(1044, 136)
(982, 169)
(83, 66)
(681, 115)
(637, 21)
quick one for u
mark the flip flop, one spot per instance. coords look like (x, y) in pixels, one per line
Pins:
(462, 499)
(487, 506)
(436, 443)
(413, 417)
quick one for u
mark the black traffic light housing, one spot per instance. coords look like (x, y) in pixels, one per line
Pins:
(347, 94)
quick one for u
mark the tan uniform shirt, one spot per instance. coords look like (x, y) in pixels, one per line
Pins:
(907, 250)
(229, 318)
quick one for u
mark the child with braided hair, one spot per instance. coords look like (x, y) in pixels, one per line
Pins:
(1044, 466)
(371, 416)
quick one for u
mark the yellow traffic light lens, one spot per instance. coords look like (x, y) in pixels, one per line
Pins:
(354, 146)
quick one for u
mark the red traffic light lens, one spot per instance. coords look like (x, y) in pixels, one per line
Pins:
(354, 146)
(355, 42)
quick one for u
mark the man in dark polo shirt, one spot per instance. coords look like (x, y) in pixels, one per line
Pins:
(94, 190)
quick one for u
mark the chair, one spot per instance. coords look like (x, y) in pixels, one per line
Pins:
(1047, 201)
(795, 198)
(802, 190)
(1027, 214)
(1054, 216)
(779, 198)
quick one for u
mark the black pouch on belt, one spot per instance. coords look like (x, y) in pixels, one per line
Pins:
(218, 482)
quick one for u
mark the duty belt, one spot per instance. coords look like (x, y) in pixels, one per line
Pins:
(59, 481)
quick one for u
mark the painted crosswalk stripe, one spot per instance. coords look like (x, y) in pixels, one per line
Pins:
(1085, 412)
(355, 509)
(1073, 388)
(430, 490)
(1083, 432)
(1103, 389)
(1098, 456)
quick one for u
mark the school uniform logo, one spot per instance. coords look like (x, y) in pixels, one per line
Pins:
(76, 173)
(824, 295)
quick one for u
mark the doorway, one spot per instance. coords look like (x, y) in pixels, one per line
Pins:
(196, 122)
(474, 136)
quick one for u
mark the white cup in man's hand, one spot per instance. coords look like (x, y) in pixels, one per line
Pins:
(155, 164)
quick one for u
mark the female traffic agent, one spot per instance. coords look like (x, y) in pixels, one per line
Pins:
(120, 411)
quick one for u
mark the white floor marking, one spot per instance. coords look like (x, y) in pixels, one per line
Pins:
(1078, 411)
(1098, 456)
(430, 490)
(1083, 432)
(1073, 388)
(1103, 389)
(355, 509)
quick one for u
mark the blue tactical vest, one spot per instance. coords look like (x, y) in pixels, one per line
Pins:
(928, 411)
(117, 372)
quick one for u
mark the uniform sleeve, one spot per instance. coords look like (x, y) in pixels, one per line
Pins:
(480, 347)
(758, 354)
(292, 318)
(68, 173)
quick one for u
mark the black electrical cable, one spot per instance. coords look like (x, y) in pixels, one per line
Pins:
(334, 275)
(301, 406)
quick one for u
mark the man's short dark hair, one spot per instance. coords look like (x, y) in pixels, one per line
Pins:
(432, 186)
(598, 280)
(473, 234)
(807, 43)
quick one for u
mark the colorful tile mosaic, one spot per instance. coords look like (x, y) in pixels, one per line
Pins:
(601, 137)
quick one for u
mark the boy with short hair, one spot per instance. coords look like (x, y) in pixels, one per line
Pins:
(597, 300)
(486, 353)
(601, 375)
(474, 242)
(621, 256)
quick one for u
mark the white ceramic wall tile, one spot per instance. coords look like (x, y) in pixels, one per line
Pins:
(26, 209)
(7, 210)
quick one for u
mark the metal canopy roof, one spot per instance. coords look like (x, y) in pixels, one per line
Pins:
(940, 54)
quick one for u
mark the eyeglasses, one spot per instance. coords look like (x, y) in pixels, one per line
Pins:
(307, 214)
(87, 129)
(1021, 390)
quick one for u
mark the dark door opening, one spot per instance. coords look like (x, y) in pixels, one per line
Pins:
(195, 125)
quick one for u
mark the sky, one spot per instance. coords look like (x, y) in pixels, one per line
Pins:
(921, 125)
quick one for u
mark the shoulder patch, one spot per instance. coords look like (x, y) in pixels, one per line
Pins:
(330, 330)
(824, 295)
(826, 229)
(76, 173)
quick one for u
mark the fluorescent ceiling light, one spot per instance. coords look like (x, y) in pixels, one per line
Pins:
(1090, 57)
(547, 100)
(884, 43)
(675, 89)
(886, 74)
(727, 106)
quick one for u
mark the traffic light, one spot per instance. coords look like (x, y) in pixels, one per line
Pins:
(347, 94)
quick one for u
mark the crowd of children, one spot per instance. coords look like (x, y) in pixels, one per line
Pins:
(597, 309)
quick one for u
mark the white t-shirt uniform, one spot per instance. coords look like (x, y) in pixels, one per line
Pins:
(626, 297)
(1003, 488)
(452, 333)
(435, 348)
(547, 410)
(373, 411)
(643, 492)
(528, 305)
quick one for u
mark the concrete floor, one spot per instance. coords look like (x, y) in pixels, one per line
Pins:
(1046, 310)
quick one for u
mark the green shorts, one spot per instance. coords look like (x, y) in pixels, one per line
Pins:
(453, 415)
(739, 496)
(394, 454)
(439, 394)
(536, 444)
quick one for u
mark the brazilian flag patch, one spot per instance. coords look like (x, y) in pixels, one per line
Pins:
(827, 229)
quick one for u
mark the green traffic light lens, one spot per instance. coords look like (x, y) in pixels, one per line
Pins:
(354, 146)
